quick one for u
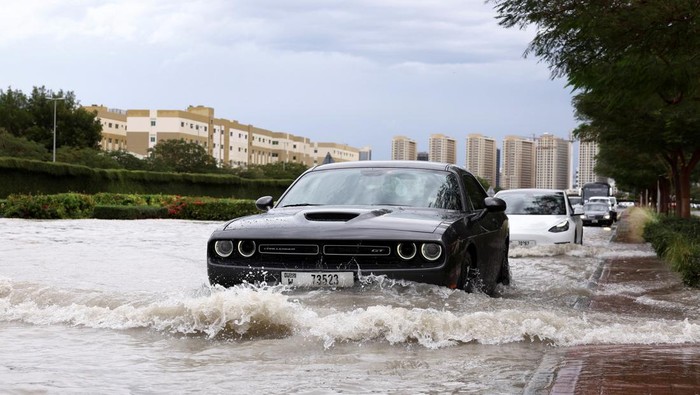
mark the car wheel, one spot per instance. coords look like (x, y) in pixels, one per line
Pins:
(504, 274)
(468, 275)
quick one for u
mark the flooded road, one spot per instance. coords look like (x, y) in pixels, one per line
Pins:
(124, 307)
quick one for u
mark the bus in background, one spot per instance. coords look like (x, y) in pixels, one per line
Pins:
(591, 189)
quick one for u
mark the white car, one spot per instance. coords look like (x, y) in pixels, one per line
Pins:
(541, 216)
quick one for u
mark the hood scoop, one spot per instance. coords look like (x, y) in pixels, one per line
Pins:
(330, 216)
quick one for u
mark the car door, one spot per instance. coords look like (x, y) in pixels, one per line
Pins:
(492, 233)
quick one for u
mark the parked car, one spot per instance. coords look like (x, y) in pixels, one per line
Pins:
(610, 201)
(597, 213)
(410, 220)
(541, 216)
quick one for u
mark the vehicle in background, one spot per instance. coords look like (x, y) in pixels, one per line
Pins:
(591, 189)
(597, 213)
(541, 216)
(409, 220)
(576, 202)
(610, 201)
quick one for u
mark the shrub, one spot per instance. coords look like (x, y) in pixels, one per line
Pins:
(119, 199)
(677, 241)
(60, 206)
(125, 206)
(210, 209)
(684, 256)
(129, 212)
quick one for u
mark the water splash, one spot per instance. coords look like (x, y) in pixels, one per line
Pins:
(254, 312)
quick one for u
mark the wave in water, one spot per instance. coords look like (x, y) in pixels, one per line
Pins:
(249, 313)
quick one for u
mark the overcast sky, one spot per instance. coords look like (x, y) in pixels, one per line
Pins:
(348, 71)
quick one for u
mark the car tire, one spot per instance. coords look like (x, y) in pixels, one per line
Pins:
(504, 274)
(468, 277)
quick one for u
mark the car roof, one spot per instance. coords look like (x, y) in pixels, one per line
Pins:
(407, 164)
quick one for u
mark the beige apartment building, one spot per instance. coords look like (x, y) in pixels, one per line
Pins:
(403, 148)
(114, 127)
(228, 141)
(587, 151)
(442, 148)
(518, 163)
(553, 157)
(481, 157)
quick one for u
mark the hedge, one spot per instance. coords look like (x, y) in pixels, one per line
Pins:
(24, 176)
(677, 241)
(129, 212)
(122, 206)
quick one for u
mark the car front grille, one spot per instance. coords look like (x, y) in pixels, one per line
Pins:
(303, 255)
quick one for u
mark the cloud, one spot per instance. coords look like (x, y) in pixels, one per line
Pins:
(448, 31)
(356, 72)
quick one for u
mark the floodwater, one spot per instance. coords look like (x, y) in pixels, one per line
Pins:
(124, 307)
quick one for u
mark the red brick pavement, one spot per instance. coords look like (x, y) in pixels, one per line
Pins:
(624, 369)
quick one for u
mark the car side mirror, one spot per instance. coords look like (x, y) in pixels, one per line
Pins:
(578, 211)
(494, 204)
(264, 203)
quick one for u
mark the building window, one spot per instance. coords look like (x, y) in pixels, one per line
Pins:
(205, 128)
(182, 124)
(153, 139)
(153, 122)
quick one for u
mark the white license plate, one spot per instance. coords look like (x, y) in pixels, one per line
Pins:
(524, 243)
(594, 221)
(320, 279)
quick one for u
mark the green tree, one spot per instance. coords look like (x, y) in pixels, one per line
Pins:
(634, 68)
(127, 160)
(89, 157)
(180, 156)
(277, 170)
(14, 116)
(32, 117)
(20, 147)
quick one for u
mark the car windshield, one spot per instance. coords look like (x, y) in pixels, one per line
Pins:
(376, 186)
(596, 207)
(534, 203)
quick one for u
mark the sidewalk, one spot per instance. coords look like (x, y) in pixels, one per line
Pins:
(624, 369)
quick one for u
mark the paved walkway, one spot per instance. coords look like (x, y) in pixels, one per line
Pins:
(624, 369)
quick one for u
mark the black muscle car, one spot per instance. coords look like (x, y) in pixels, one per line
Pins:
(419, 221)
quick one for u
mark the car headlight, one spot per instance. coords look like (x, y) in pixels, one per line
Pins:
(607, 216)
(406, 250)
(246, 248)
(562, 226)
(431, 251)
(223, 248)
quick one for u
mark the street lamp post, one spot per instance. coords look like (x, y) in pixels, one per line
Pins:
(55, 99)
